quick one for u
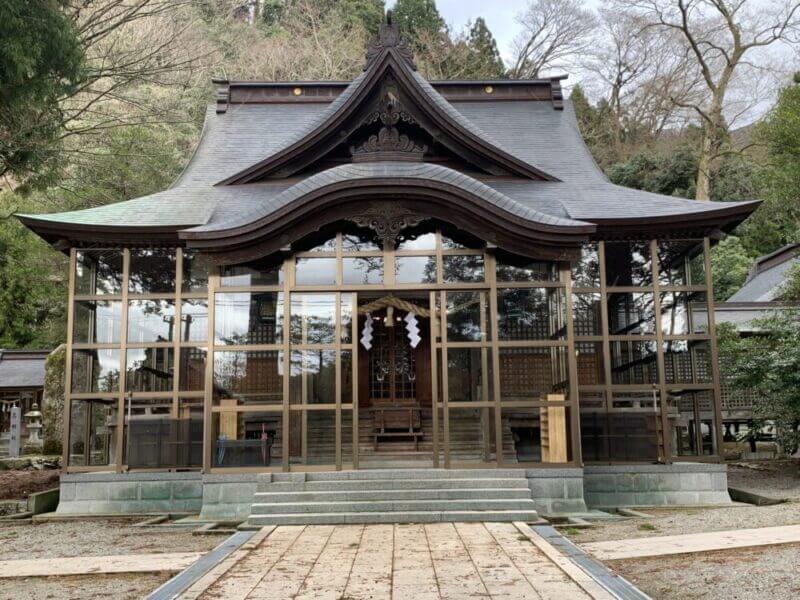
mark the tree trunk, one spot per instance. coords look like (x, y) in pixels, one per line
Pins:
(709, 151)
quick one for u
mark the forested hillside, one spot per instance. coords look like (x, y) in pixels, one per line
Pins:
(103, 100)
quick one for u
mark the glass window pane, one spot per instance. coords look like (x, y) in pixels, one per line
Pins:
(247, 439)
(460, 240)
(587, 314)
(97, 322)
(248, 318)
(155, 437)
(473, 434)
(265, 271)
(520, 268)
(681, 262)
(248, 378)
(417, 239)
(194, 320)
(152, 271)
(691, 418)
(77, 433)
(591, 365)
(313, 319)
(329, 245)
(313, 377)
(192, 369)
(631, 314)
(467, 317)
(462, 268)
(469, 375)
(362, 271)
(347, 318)
(91, 436)
(98, 272)
(586, 270)
(150, 369)
(531, 374)
(687, 361)
(315, 271)
(531, 313)
(95, 371)
(539, 434)
(634, 362)
(150, 321)
(196, 268)
(361, 240)
(415, 269)
(628, 264)
(683, 313)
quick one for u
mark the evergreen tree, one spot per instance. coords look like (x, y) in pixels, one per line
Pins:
(417, 19)
(366, 13)
(485, 58)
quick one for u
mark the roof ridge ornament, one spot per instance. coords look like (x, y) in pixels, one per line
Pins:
(389, 38)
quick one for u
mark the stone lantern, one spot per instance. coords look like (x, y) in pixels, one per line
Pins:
(33, 421)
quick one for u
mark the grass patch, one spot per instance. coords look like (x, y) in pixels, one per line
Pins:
(571, 531)
(647, 527)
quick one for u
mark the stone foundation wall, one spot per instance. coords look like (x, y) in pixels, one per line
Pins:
(655, 485)
(228, 497)
(556, 491)
(130, 493)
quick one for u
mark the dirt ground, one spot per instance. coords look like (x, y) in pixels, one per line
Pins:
(774, 479)
(17, 485)
(88, 587)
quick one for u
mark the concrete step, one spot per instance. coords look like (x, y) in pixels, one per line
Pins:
(415, 474)
(392, 484)
(528, 516)
(391, 506)
(270, 497)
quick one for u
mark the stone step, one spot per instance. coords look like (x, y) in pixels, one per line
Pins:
(528, 516)
(299, 497)
(392, 484)
(414, 474)
(391, 506)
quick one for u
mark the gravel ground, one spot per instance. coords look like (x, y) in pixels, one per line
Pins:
(81, 587)
(774, 479)
(17, 485)
(744, 574)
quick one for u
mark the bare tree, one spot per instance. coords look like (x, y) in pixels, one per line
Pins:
(721, 36)
(554, 33)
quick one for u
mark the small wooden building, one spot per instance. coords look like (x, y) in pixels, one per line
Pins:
(386, 271)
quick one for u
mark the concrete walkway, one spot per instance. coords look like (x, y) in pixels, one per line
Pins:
(418, 561)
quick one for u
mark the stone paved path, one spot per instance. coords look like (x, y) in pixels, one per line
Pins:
(421, 562)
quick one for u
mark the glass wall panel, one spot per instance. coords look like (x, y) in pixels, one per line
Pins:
(683, 313)
(313, 319)
(193, 369)
(467, 317)
(417, 239)
(313, 377)
(623, 434)
(194, 320)
(691, 418)
(258, 272)
(150, 369)
(591, 366)
(155, 437)
(634, 362)
(681, 262)
(92, 433)
(531, 373)
(248, 378)
(97, 322)
(531, 314)
(469, 375)
(415, 269)
(152, 271)
(361, 240)
(315, 271)
(537, 434)
(466, 268)
(248, 318)
(98, 272)
(196, 268)
(320, 436)
(95, 371)
(472, 435)
(247, 439)
(631, 314)
(362, 270)
(687, 361)
(586, 270)
(628, 263)
(150, 321)
(513, 268)
(587, 309)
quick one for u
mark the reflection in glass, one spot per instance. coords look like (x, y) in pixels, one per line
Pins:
(687, 361)
(196, 267)
(192, 369)
(633, 362)
(591, 367)
(265, 271)
(691, 418)
(194, 320)
(586, 270)
(315, 271)
(247, 439)
(152, 271)
(631, 313)
(362, 271)
(531, 373)
(150, 369)
(683, 313)
(328, 245)
(681, 262)
(150, 321)
(465, 268)
(98, 272)
(97, 322)
(522, 269)
(313, 319)
(313, 377)
(95, 371)
(467, 317)
(248, 378)
(628, 264)
(531, 313)
(158, 437)
(469, 375)
(91, 427)
(417, 239)
(415, 269)
(587, 309)
(248, 318)
(361, 240)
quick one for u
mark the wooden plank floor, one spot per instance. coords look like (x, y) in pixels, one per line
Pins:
(693, 542)
(416, 561)
(91, 565)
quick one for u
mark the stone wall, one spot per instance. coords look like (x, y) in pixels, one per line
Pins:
(53, 400)
(229, 497)
(655, 485)
(556, 491)
(130, 493)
